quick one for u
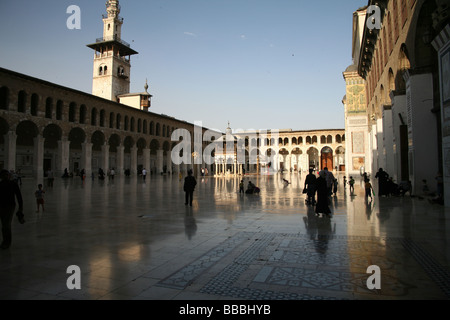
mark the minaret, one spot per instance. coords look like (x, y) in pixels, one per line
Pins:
(112, 57)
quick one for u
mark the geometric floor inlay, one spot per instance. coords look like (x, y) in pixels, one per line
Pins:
(300, 267)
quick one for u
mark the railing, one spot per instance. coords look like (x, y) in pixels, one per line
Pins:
(113, 38)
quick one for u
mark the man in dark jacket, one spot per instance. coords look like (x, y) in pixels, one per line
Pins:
(9, 191)
(189, 187)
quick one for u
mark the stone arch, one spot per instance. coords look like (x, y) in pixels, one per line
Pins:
(52, 134)
(128, 143)
(26, 132)
(154, 146)
(313, 157)
(114, 142)
(326, 158)
(166, 147)
(141, 145)
(77, 137)
(98, 140)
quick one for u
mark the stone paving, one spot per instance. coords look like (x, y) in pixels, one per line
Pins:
(136, 240)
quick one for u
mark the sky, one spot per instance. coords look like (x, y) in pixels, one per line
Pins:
(257, 64)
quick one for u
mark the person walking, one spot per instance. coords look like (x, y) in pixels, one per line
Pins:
(9, 192)
(310, 187)
(39, 194)
(144, 174)
(368, 188)
(322, 195)
(351, 183)
(189, 187)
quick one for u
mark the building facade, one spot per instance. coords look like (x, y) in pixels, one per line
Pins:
(395, 59)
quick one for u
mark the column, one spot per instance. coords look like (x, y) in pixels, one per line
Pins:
(10, 150)
(38, 157)
(86, 158)
(120, 160)
(105, 158)
(63, 156)
(133, 159)
(146, 155)
(159, 161)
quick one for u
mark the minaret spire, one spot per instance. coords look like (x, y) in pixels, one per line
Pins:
(113, 8)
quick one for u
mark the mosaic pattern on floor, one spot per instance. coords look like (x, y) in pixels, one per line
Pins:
(304, 267)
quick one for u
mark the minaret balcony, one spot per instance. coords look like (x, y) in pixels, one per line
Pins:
(113, 38)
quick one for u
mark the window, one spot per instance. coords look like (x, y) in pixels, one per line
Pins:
(59, 110)
(48, 108)
(21, 102)
(4, 98)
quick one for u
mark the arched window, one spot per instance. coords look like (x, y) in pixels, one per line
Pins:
(100, 71)
(314, 139)
(132, 124)
(152, 128)
(102, 118)
(111, 120)
(329, 139)
(83, 111)
(59, 110)
(118, 119)
(158, 130)
(22, 101)
(34, 104)
(94, 117)
(125, 123)
(139, 126)
(72, 107)
(308, 140)
(4, 98)
(144, 127)
(323, 139)
(105, 70)
(48, 108)
(164, 130)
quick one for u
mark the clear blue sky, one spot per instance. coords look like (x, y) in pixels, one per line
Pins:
(260, 64)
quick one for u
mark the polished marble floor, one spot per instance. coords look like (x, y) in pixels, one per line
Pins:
(135, 239)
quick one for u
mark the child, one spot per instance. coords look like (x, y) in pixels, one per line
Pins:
(39, 194)
(368, 187)
(241, 187)
(351, 182)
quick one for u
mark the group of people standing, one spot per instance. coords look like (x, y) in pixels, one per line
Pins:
(324, 186)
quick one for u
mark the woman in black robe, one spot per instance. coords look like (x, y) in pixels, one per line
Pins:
(322, 195)
(383, 177)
